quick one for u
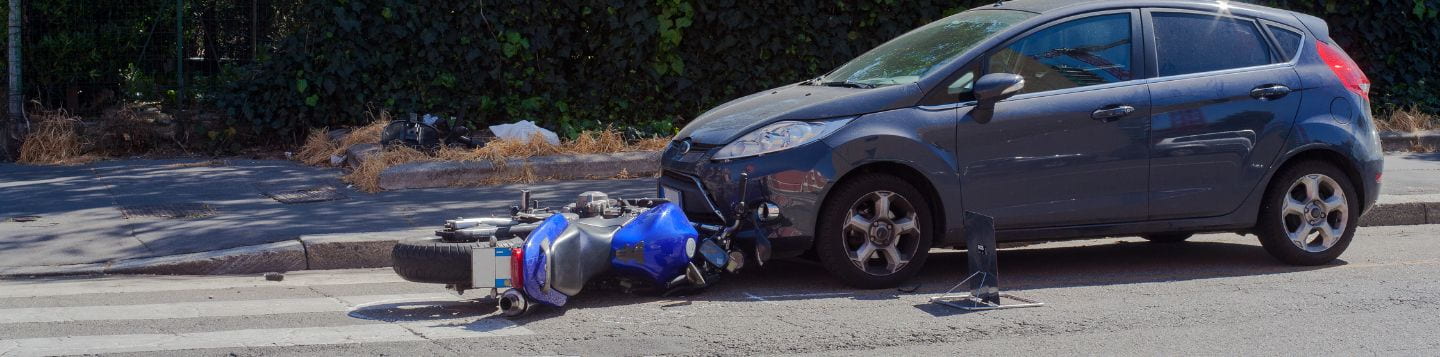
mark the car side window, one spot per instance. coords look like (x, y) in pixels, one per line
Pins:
(1288, 40)
(1188, 43)
(1089, 51)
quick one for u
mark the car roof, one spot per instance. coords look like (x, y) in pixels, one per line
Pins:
(1043, 6)
(1036, 6)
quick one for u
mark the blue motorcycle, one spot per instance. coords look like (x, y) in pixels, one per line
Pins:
(542, 256)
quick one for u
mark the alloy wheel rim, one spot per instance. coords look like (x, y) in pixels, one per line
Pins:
(1315, 213)
(882, 233)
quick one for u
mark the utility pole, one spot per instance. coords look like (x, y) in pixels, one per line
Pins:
(179, 52)
(14, 129)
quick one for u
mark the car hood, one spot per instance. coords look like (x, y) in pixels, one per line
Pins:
(729, 121)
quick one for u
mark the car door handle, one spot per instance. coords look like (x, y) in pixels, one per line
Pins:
(1270, 92)
(1112, 112)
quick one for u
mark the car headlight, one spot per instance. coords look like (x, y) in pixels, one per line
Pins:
(779, 136)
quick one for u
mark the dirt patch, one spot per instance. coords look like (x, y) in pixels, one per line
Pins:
(132, 129)
(55, 139)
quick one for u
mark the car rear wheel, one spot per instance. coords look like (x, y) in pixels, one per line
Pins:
(1309, 214)
(874, 232)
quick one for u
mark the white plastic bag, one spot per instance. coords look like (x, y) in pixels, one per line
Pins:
(522, 131)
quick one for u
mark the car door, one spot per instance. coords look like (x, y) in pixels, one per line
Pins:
(1071, 148)
(1222, 104)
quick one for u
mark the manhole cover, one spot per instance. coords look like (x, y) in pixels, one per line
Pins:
(313, 194)
(171, 210)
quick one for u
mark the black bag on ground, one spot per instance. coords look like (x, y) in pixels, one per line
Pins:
(418, 135)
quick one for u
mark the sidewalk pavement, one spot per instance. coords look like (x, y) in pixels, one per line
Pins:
(55, 219)
(100, 218)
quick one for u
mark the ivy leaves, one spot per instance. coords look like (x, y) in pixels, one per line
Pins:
(652, 65)
(674, 17)
(512, 43)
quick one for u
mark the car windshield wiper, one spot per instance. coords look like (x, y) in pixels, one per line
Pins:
(848, 84)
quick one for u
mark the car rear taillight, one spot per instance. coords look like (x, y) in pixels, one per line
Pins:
(1345, 69)
(517, 265)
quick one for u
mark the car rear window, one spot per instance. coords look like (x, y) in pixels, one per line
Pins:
(1288, 40)
(1188, 43)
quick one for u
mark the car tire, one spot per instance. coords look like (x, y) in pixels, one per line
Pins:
(433, 260)
(1167, 237)
(904, 230)
(1328, 214)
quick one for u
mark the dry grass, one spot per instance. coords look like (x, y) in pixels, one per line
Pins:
(500, 152)
(317, 149)
(370, 133)
(55, 139)
(652, 144)
(367, 176)
(1409, 120)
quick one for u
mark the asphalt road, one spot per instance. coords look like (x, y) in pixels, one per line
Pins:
(1216, 295)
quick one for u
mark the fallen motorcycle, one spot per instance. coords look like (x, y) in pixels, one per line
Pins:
(544, 256)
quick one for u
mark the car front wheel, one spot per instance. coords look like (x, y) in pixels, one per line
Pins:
(1309, 214)
(874, 232)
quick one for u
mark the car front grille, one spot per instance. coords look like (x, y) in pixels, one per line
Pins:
(696, 200)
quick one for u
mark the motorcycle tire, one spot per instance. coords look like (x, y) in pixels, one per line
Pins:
(432, 260)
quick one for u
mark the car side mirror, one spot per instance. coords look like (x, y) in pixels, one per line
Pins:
(993, 88)
(996, 87)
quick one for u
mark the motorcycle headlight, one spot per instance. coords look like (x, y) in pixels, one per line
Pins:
(779, 136)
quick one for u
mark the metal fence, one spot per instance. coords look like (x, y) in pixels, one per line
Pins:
(86, 56)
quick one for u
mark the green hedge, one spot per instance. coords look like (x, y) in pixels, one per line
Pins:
(1396, 42)
(653, 64)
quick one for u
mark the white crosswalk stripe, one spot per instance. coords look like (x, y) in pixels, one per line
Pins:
(377, 318)
(122, 284)
(207, 309)
(368, 333)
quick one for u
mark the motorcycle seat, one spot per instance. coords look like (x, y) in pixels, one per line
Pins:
(580, 253)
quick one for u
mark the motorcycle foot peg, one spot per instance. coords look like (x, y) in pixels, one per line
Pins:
(737, 261)
(692, 273)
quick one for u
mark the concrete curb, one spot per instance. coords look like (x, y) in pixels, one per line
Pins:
(1404, 141)
(465, 173)
(372, 249)
(1403, 210)
(314, 252)
(350, 251)
(278, 256)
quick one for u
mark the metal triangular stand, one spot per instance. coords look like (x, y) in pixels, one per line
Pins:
(984, 279)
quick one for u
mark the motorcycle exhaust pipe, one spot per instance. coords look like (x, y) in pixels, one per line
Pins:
(513, 303)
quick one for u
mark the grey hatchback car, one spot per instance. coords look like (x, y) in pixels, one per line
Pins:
(1061, 119)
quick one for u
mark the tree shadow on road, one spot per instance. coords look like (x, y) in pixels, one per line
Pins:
(1047, 266)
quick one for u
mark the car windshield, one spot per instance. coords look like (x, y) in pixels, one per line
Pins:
(908, 57)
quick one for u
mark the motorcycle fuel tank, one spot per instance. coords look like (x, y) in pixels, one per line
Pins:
(656, 245)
